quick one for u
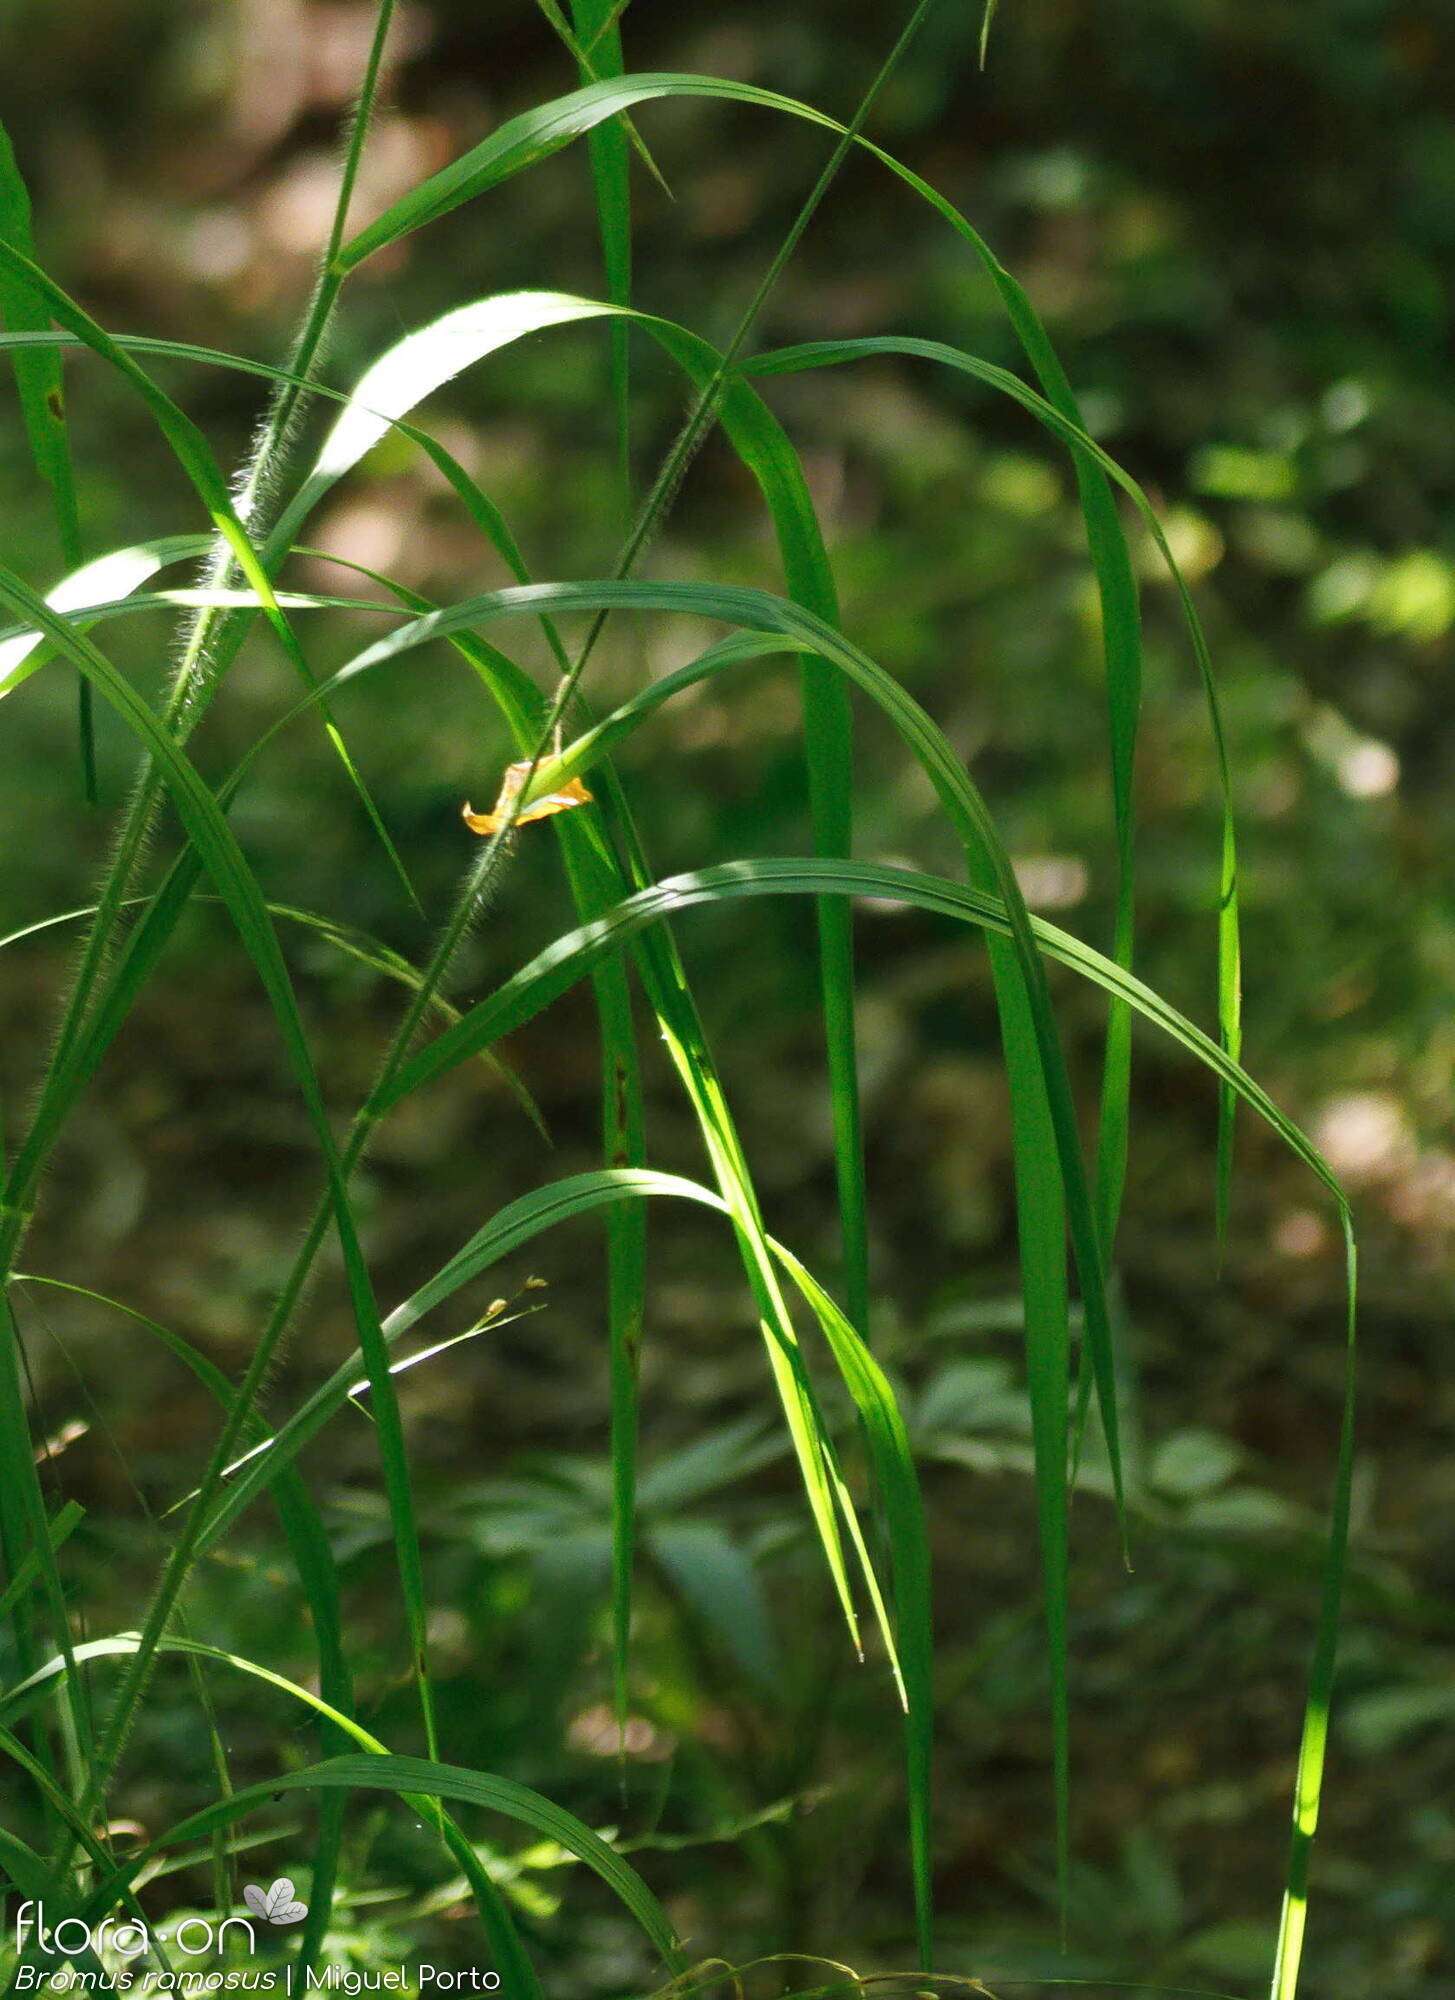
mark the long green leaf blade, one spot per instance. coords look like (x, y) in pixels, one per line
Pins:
(43, 404)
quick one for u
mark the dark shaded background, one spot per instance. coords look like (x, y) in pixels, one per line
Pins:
(1238, 223)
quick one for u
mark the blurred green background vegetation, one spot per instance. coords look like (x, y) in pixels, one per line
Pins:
(1239, 223)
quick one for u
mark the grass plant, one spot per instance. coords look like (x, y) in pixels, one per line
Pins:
(71, 1702)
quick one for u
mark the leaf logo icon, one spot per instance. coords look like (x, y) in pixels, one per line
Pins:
(276, 1905)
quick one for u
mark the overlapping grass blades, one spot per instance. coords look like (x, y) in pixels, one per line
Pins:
(192, 454)
(815, 1450)
(210, 835)
(535, 135)
(622, 915)
(1036, 1048)
(1039, 1193)
(758, 612)
(579, 757)
(1048, 1150)
(408, 372)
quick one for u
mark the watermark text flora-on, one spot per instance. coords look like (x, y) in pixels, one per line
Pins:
(131, 1940)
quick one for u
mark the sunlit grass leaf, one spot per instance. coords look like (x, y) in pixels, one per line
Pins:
(101, 581)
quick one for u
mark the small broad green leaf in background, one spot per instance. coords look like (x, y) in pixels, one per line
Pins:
(716, 1579)
(1191, 1463)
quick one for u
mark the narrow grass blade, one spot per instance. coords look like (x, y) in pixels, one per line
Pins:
(1117, 591)
(317, 1571)
(1041, 1233)
(670, 998)
(28, 1535)
(63, 1524)
(1121, 628)
(1038, 1194)
(597, 52)
(596, 45)
(42, 401)
(557, 968)
(515, 1225)
(415, 1778)
(1309, 1779)
(534, 136)
(903, 1508)
(506, 1232)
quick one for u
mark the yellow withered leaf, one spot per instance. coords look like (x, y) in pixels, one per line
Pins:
(572, 793)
